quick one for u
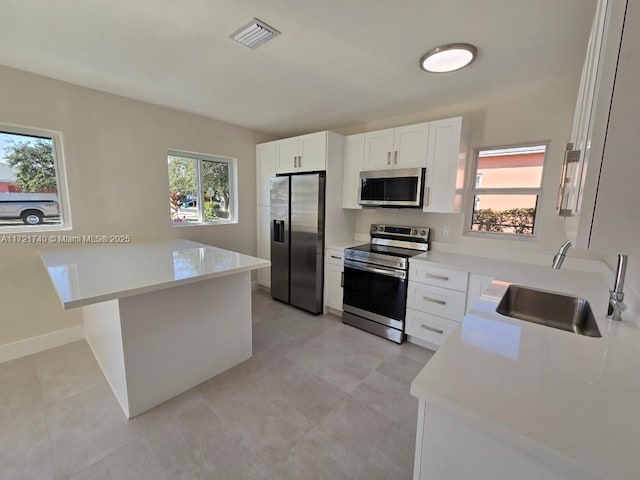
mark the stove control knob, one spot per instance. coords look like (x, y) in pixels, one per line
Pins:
(414, 231)
(381, 228)
(423, 232)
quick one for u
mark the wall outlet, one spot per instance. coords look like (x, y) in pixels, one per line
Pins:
(445, 231)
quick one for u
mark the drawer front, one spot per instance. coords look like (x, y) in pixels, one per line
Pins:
(335, 256)
(428, 327)
(442, 302)
(422, 272)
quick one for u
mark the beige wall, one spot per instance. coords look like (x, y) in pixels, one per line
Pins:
(541, 114)
(115, 151)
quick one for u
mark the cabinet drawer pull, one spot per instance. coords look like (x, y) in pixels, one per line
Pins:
(388, 158)
(434, 300)
(427, 327)
(439, 277)
(336, 257)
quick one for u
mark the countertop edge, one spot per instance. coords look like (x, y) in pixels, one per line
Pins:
(161, 286)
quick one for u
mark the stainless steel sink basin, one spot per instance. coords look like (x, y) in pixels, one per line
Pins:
(545, 308)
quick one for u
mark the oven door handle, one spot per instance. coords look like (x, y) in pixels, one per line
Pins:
(389, 272)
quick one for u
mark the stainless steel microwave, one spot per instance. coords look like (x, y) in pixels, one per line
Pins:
(400, 188)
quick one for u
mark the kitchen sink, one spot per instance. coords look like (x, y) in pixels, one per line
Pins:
(551, 309)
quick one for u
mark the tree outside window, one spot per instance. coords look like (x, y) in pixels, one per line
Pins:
(200, 188)
(30, 181)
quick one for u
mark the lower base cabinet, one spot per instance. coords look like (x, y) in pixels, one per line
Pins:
(441, 437)
(437, 300)
(333, 275)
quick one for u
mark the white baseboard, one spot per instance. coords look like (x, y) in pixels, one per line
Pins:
(29, 346)
(422, 343)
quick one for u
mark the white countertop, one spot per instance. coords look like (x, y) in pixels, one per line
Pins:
(87, 275)
(571, 401)
(343, 245)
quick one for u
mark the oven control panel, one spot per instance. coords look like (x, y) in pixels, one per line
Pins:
(413, 234)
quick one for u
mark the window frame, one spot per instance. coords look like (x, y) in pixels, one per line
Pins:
(505, 191)
(61, 179)
(233, 186)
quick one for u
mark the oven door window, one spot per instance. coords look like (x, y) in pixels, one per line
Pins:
(376, 293)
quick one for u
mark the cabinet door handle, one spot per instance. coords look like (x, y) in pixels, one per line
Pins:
(434, 300)
(336, 257)
(570, 156)
(427, 327)
(388, 158)
(426, 201)
(342, 279)
(395, 157)
(439, 277)
(300, 161)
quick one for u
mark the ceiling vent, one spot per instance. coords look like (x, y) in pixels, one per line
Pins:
(254, 33)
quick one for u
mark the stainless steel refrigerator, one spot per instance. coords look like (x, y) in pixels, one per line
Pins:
(297, 239)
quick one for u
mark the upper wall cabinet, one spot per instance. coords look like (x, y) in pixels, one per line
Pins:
(402, 147)
(266, 162)
(446, 162)
(353, 165)
(306, 153)
(599, 192)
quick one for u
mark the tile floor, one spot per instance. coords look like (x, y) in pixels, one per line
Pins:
(318, 400)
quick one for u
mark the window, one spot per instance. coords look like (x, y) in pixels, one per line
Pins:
(202, 188)
(32, 183)
(508, 184)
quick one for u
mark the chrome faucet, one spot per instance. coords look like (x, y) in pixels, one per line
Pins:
(616, 295)
(558, 258)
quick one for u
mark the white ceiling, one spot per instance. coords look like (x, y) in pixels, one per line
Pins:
(336, 63)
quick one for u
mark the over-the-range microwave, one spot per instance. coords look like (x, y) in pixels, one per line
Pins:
(401, 188)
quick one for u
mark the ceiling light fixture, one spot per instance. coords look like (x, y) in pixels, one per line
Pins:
(448, 58)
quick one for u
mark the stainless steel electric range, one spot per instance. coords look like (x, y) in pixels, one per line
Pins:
(375, 279)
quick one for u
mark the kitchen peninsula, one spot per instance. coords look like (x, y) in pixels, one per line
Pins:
(159, 317)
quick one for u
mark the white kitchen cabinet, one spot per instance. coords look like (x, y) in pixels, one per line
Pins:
(477, 283)
(430, 274)
(353, 165)
(378, 146)
(448, 447)
(436, 300)
(264, 244)
(446, 163)
(599, 187)
(443, 302)
(333, 278)
(401, 147)
(266, 161)
(306, 153)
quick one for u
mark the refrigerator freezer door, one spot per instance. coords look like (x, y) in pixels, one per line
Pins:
(307, 241)
(280, 238)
